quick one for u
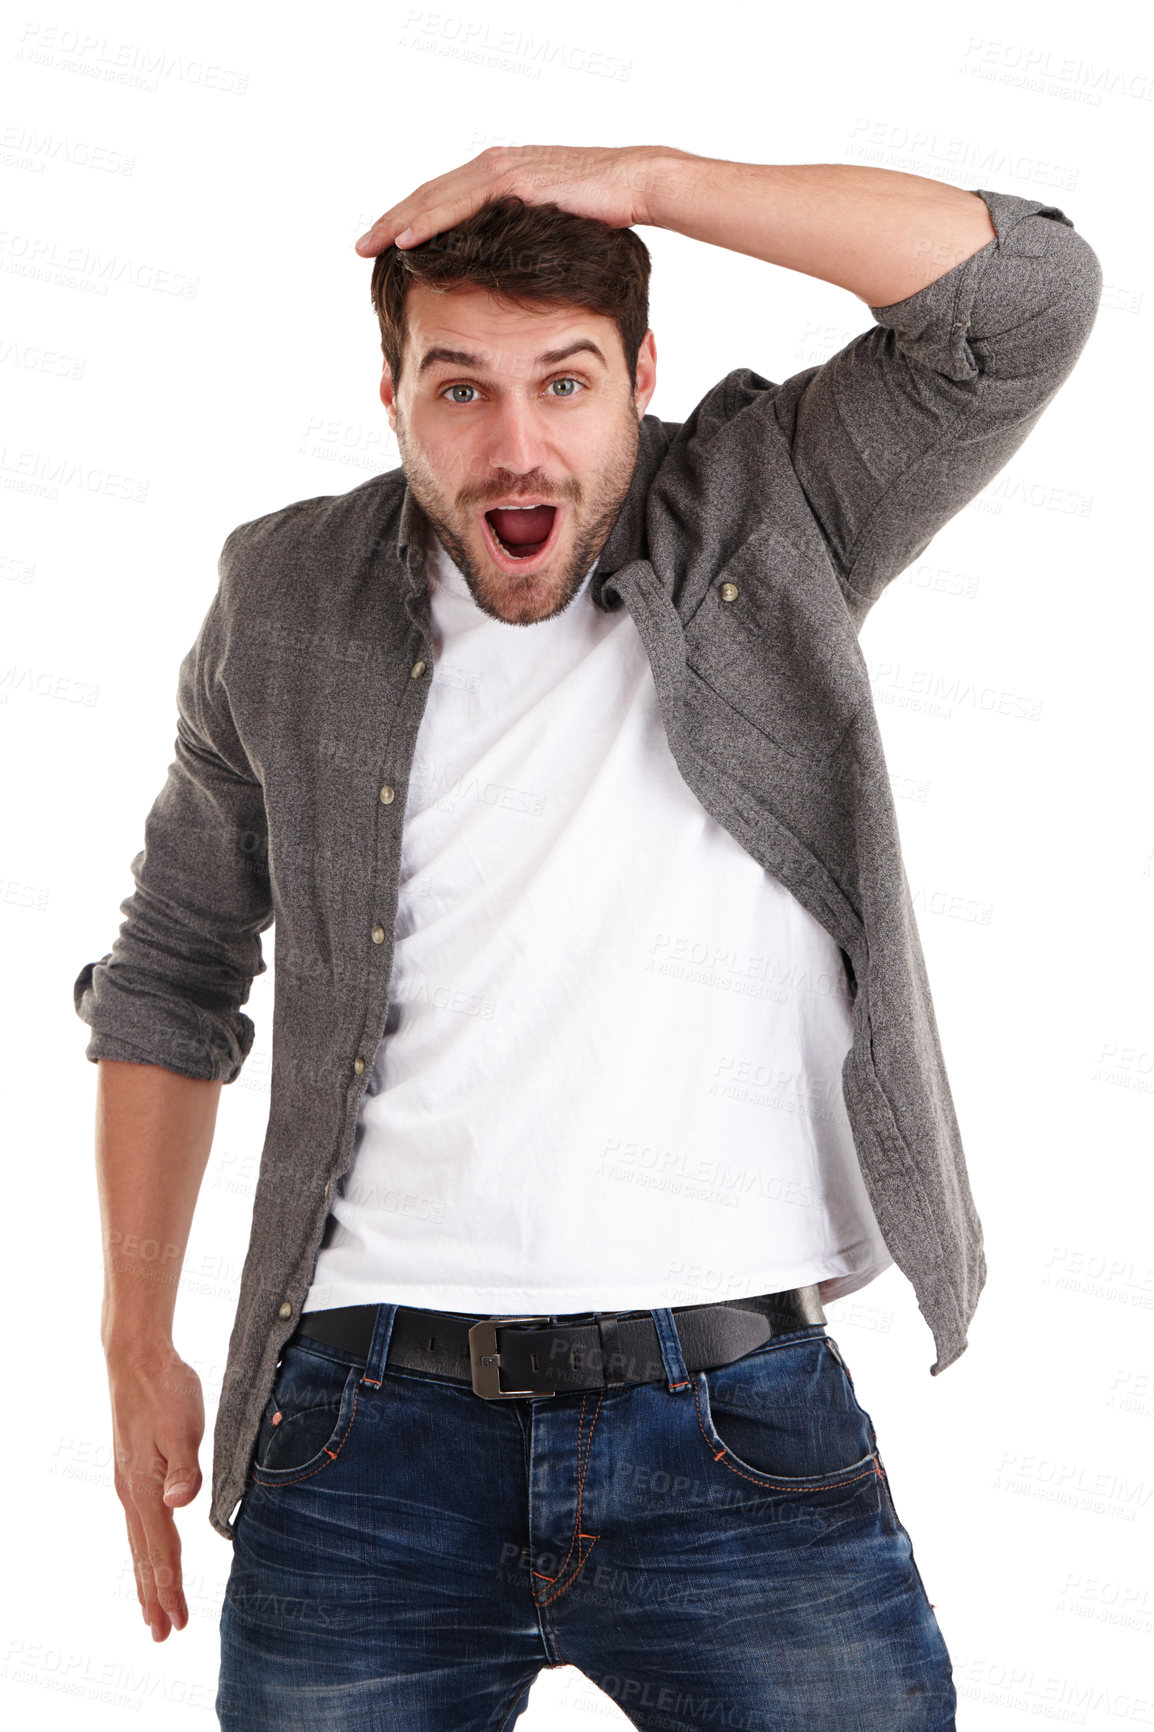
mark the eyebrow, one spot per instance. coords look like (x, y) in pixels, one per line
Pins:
(460, 357)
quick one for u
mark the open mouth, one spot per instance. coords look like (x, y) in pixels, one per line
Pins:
(518, 533)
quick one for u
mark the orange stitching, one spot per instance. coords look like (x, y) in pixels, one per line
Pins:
(273, 1483)
(585, 1469)
(553, 1626)
(768, 1480)
(577, 1520)
(375, 1381)
(582, 1556)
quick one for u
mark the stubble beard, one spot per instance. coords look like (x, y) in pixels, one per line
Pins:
(594, 511)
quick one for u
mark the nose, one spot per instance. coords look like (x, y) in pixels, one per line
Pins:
(516, 440)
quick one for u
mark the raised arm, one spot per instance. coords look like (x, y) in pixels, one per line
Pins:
(874, 231)
(982, 303)
(902, 427)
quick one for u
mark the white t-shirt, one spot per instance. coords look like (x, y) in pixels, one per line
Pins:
(611, 1073)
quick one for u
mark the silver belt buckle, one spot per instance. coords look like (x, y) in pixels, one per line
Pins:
(485, 1361)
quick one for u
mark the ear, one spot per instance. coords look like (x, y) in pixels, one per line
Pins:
(646, 376)
(389, 396)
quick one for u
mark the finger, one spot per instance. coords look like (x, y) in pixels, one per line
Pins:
(161, 1550)
(407, 226)
(434, 219)
(397, 218)
(152, 1611)
(163, 1542)
(138, 1554)
(380, 235)
(155, 1615)
(181, 1484)
(437, 205)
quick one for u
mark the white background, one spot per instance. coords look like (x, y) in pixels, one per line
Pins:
(183, 310)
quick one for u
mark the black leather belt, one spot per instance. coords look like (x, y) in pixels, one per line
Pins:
(511, 1356)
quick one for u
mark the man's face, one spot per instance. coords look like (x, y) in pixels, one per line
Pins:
(502, 407)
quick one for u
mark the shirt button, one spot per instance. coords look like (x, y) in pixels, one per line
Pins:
(284, 1309)
(388, 795)
(359, 1066)
(378, 935)
(729, 592)
(416, 670)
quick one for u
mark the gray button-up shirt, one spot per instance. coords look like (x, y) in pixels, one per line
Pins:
(754, 539)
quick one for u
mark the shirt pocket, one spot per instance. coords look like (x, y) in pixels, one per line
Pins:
(781, 653)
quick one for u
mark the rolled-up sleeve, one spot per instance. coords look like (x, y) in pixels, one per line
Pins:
(900, 429)
(169, 991)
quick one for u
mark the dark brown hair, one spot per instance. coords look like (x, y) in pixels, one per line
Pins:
(529, 254)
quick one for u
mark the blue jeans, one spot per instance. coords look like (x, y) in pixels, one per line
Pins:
(716, 1549)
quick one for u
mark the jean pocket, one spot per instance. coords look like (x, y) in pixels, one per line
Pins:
(308, 1417)
(787, 1417)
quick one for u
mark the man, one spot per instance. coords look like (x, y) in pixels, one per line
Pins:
(599, 996)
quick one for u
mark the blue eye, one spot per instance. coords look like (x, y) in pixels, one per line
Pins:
(561, 395)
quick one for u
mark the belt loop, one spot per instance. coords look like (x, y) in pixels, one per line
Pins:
(613, 1361)
(379, 1346)
(673, 1359)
